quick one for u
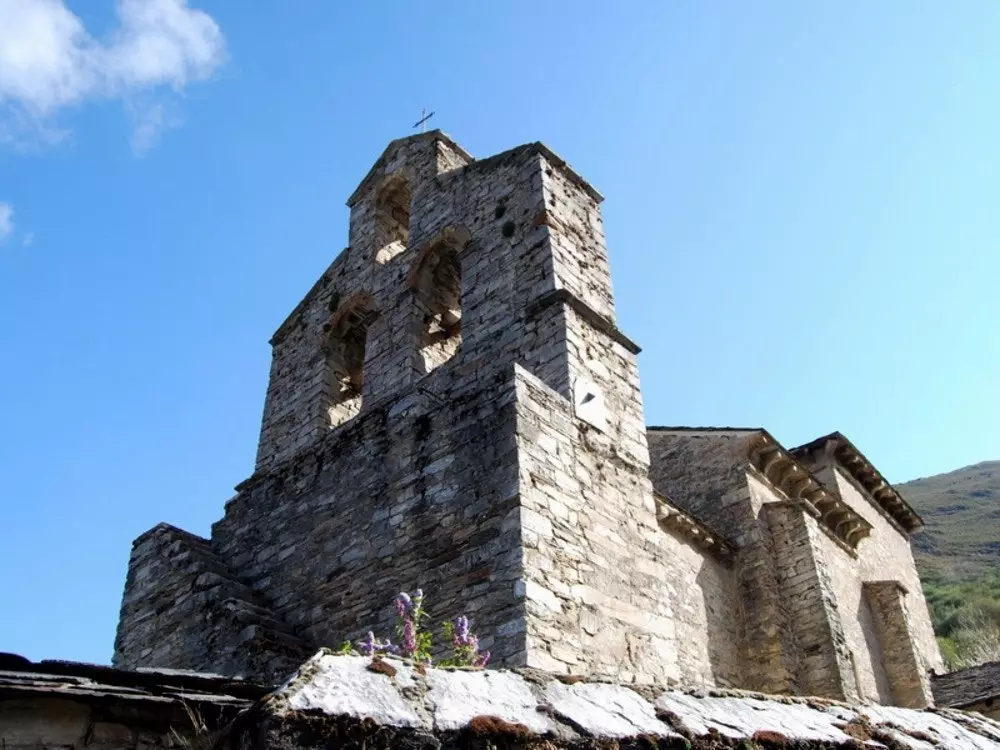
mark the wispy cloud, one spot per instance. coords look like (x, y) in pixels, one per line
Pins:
(6, 222)
(150, 120)
(49, 62)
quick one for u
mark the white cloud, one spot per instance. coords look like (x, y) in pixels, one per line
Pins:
(6, 221)
(49, 61)
(28, 240)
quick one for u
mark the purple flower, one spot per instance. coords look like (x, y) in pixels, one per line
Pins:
(409, 637)
(371, 646)
(463, 638)
(482, 659)
(404, 605)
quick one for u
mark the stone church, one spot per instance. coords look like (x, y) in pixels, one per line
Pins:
(453, 406)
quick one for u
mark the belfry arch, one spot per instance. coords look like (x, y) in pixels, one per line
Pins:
(392, 219)
(344, 347)
(436, 283)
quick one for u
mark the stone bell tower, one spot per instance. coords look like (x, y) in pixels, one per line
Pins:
(450, 406)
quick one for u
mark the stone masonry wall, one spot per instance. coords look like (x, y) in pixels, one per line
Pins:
(294, 414)
(408, 495)
(704, 472)
(607, 591)
(858, 623)
(787, 580)
(525, 228)
(576, 240)
(886, 554)
(769, 647)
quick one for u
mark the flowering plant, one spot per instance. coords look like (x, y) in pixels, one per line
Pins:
(416, 643)
(371, 646)
(465, 645)
(409, 613)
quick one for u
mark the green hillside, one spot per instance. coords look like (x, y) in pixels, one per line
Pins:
(958, 554)
(961, 510)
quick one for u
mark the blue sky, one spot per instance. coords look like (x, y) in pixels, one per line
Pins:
(801, 214)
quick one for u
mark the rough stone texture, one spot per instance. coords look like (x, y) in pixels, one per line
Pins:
(883, 556)
(608, 592)
(823, 666)
(813, 547)
(972, 689)
(505, 709)
(55, 704)
(452, 406)
(182, 599)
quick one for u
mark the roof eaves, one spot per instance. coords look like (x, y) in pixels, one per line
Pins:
(870, 478)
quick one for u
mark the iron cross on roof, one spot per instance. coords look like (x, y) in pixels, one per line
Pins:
(422, 122)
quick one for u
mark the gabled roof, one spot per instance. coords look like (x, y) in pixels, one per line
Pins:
(438, 135)
(430, 135)
(779, 468)
(865, 474)
(782, 469)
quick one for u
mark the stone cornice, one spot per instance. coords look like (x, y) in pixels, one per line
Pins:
(585, 311)
(783, 472)
(843, 452)
(672, 518)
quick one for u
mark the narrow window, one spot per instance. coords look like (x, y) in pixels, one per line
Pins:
(437, 286)
(345, 359)
(392, 219)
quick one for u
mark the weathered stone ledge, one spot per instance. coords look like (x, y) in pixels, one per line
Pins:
(338, 700)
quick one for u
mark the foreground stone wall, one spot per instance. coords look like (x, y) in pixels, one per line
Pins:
(347, 701)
